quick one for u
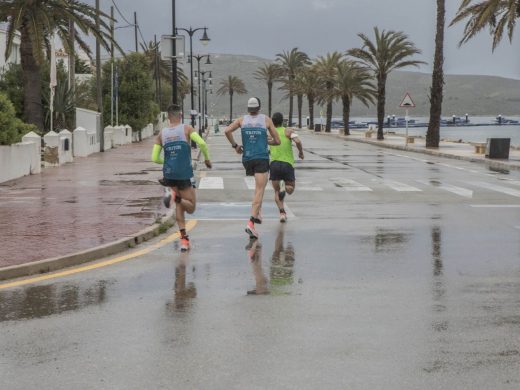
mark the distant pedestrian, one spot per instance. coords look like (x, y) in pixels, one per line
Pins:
(282, 174)
(177, 167)
(255, 154)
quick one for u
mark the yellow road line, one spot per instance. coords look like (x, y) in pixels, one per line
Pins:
(189, 226)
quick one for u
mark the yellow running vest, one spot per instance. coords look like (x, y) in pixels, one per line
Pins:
(282, 152)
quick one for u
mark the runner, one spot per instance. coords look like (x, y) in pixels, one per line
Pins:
(177, 167)
(282, 163)
(255, 154)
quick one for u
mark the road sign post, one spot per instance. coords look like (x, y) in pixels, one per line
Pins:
(407, 103)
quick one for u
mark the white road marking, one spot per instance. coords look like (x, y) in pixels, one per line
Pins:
(496, 206)
(211, 183)
(306, 185)
(448, 187)
(400, 187)
(250, 183)
(497, 188)
(350, 185)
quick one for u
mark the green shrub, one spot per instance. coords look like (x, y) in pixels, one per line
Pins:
(12, 129)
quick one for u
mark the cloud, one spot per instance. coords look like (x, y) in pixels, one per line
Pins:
(323, 4)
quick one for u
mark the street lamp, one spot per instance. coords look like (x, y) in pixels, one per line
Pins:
(208, 62)
(204, 40)
(204, 110)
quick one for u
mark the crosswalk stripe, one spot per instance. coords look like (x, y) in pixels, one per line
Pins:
(400, 187)
(307, 185)
(350, 185)
(448, 187)
(250, 183)
(211, 183)
(497, 188)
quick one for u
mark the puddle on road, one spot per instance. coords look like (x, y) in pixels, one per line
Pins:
(281, 268)
(43, 301)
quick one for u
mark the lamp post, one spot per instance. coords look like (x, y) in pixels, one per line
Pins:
(204, 40)
(208, 62)
(205, 96)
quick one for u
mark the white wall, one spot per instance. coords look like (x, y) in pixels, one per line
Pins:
(18, 160)
(84, 142)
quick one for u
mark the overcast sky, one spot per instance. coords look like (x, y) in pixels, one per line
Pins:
(267, 27)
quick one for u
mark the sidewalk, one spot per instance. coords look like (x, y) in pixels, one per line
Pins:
(456, 150)
(91, 202)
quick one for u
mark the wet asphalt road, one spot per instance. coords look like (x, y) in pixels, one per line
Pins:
(366, 287)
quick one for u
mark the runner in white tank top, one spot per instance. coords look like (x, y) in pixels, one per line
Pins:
(255, 129)
(177, 167)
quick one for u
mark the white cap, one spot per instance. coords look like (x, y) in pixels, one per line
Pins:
(253, 104)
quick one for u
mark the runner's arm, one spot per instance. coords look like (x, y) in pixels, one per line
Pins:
(229, 134)
(275, 138)
(293, 136)
(195, 137)
(156, 152)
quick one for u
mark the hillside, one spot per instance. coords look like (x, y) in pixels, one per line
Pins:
(476, 95)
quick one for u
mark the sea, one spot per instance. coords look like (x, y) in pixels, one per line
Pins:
(463, 133)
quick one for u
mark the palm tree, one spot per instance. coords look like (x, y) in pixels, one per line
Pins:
(307, 83)
(270, 73)
(327, 70)
(498, 15)
(36, 21)
(391, 50)
(291, 63)
(230, 86)
(436, 91)
(353, 82)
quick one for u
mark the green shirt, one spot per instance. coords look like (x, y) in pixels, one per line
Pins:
(282, 152)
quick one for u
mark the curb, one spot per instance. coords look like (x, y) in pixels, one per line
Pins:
(499, 165)
(112, 248)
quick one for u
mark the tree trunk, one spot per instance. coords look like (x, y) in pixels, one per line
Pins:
(33, 110)
(346, 114)
(230, 107)
(328, 123)
(300, 104)
(270, 97)
(290, 109)
(381, 100)
(436, 91)
(310, 98)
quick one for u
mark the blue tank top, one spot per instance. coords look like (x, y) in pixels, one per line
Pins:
(254, 138)
(177, 154)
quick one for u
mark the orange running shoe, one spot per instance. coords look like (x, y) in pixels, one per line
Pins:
(185, 244)
(250, 229)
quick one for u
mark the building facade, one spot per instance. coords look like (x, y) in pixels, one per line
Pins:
(15, 52)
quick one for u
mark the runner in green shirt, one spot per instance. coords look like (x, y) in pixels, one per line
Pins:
(282, 163)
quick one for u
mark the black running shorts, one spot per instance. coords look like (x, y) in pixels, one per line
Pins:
(280, 170)
(179, 184)
(256, 166)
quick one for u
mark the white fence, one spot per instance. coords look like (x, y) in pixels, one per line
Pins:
(25, 158)
(20, 159)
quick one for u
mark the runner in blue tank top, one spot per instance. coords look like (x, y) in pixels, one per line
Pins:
(255, 128)
(177, 167)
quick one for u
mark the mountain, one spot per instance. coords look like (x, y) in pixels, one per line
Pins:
(475, 95)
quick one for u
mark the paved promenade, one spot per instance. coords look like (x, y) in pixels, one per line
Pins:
(77, 206)
(113, 195)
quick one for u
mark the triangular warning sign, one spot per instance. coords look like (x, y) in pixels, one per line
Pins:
(407, 102)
